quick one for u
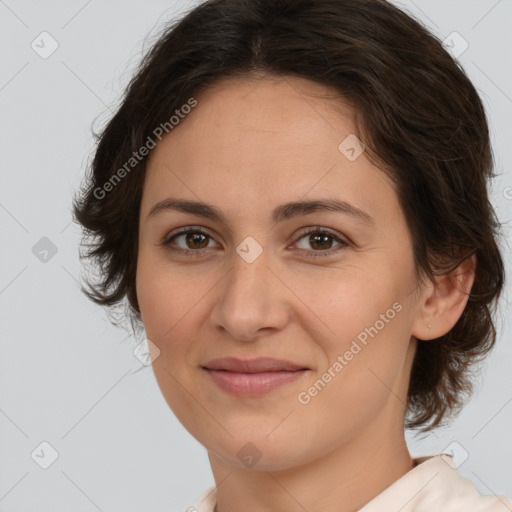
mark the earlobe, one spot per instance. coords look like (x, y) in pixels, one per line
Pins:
(444, 301)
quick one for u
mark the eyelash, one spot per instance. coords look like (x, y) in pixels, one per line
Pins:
(317, 230)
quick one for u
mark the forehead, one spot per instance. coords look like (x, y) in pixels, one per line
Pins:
(274, 105)
(275, 139)
(283, 112)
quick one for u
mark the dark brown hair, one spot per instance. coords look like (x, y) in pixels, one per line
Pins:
(419, 116)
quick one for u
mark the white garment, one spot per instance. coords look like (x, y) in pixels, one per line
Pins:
(433, 485)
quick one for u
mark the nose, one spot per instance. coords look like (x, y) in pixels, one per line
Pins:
(251, 300)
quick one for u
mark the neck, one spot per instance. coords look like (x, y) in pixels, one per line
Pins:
(344, 479)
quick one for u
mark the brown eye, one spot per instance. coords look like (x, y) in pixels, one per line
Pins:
(196, 240)
(317, 242)
(321, 241)
(189, 240)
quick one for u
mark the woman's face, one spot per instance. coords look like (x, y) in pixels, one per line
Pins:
(331, 291)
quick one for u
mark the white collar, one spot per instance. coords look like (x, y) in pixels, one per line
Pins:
(435, 485)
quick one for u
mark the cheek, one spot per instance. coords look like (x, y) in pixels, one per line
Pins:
(355, 302)
(359, 320)
(165, 295)
(172, 303)
(167, 307)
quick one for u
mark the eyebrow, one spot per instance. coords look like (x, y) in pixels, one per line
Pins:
(279, 214)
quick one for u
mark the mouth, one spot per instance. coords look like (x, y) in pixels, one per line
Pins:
(252, 377)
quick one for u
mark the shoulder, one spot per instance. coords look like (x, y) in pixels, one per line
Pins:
(460, 491)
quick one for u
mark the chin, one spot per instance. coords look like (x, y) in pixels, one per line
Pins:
(258, 457)
(261, 451)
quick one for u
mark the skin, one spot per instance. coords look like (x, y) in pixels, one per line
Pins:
(249, 146)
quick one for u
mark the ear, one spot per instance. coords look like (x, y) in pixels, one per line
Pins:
(444, 300)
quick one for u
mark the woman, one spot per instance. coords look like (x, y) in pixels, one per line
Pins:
(293, 198)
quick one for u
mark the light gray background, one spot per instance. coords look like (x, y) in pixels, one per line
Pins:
(66, 374)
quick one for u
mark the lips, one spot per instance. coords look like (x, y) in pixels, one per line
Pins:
(246, 378)
(259, 365)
